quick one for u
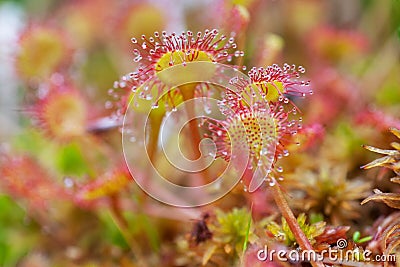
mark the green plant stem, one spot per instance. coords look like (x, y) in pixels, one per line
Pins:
(123, 226)
(287, 213)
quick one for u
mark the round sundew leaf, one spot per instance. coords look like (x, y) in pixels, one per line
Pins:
(178, 57)
(184, 75)
(141, 18)
(42, 51)
(264, 91)
(62, 114)
(154, 100)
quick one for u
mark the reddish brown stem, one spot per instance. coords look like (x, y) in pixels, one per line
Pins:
(187, 91)
(287, 213)
(155, 124)
(155, 121)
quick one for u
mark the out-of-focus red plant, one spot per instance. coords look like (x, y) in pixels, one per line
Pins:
(43, 50)
(62, 113)
(333, 45)
(24, 179)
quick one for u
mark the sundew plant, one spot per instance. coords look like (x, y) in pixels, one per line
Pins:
(200, 133)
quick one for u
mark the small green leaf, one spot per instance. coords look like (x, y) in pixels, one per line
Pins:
(246, 239)
(356, 236)
(316, 217)
(365, 239)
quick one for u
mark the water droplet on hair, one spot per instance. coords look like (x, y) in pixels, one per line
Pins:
(108, 105)
(279, 169)
(212, 154)
(207, 109)
(68, 182)
(264, 151)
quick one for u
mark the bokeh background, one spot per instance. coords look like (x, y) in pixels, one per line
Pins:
(70, 201)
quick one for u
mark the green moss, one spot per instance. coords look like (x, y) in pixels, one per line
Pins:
(284, 234)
